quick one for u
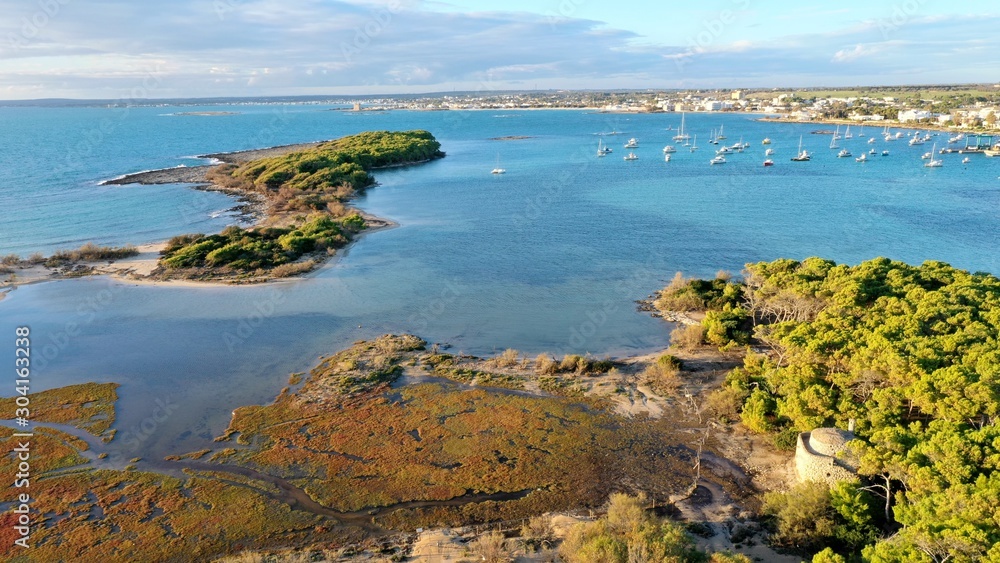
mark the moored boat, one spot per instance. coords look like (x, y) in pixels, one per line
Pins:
(803, 155)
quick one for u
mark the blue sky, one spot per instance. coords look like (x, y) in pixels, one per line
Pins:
(123, 48)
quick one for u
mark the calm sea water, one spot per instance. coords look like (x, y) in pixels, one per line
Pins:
(548, 257)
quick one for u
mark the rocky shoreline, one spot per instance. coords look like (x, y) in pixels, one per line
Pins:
(199, 174)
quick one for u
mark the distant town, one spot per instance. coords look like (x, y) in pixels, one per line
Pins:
(965, 107)
(975, 106)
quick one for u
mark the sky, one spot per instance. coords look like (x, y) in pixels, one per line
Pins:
(113, 49)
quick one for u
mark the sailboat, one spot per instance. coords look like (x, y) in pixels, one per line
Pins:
(694, 146)
(833, 143)
(847, 134)
(803, 156)
(498, 170)
(933, 162)
(721, 137)
(836, 134)
(681, 135)
(861, 133)
(601, 149)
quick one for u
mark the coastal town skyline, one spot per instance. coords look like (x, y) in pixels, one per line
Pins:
(210, 48)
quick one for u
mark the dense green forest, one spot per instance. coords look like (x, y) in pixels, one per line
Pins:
(333, 171)
(309, 189)
(911, 354)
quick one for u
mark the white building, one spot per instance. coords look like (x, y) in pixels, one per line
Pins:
(859, 117)
(909, 115)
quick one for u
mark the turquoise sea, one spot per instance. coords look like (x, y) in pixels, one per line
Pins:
(550, 256)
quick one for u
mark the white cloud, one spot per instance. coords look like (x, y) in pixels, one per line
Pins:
(850, 55)
(103, 48)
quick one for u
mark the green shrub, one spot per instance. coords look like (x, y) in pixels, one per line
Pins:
(726, 326)
(758, 411)
(669, 361)
(786, 440)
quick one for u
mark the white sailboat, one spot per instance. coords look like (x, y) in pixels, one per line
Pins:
(601, 149)
(694, 146)
(498, 170)
(934, 162)
(847, 134)
(803, 155)
(833, 143)
(681, 135)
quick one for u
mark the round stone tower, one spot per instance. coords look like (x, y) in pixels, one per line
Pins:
(822, 455)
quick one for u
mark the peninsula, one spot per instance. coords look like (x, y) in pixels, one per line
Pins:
(298, 196)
